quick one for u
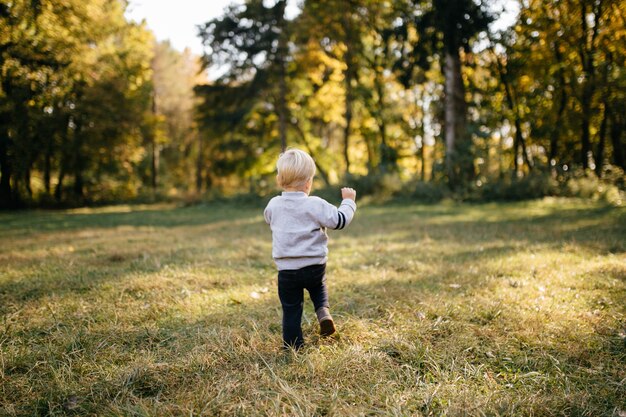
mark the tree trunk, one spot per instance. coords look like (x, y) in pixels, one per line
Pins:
(199, 165)
(154, 166)
(6, 195)
(154, 163)
(388, 161)
(423, 158)
(522, 142)
(370, 155)
(348, 77)
(282, 82)
(519, 141)
(586, 52)
(78, 184)
(282, 110)
(58, 190)
(47, 167)
(348, 116)
(64, 160)
(616, 140)
(602, 141)
(556, 129)
(459, 164)
(420, 131)
(585, 116)
(27, 181)
(78, 162)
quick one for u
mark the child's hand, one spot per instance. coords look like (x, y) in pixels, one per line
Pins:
(349, 193)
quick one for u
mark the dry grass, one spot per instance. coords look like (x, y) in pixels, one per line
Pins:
(496, 309)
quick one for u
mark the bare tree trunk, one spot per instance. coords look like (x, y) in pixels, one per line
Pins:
(554, 134)
(522, 142)
(58, 190)
(78, 184)
(348, 116)
(423, 158)
(585, 153)
(617, 129)
(6, 195)
(282, 83)
(27, 181)
(370, 155)
(380, 91)
(419, 124)
(586, 52)
(602, 141)
(154, 163)
(282, 111)
(78, 163)
(348, 77)
(64, 161)
(459, 164)
(199, 165)
(519, 141)
(47, 167)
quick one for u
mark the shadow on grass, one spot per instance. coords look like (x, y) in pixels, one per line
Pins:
(147, 361)
(600, 228)
(134, 216)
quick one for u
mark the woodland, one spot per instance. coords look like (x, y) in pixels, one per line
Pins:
(419, 98)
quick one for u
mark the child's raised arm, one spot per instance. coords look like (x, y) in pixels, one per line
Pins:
(338, 218)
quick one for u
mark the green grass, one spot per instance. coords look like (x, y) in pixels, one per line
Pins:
(492, 309)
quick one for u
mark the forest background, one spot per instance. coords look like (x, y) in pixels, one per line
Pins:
(413, 98)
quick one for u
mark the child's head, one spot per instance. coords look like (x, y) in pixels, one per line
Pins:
(296, 170)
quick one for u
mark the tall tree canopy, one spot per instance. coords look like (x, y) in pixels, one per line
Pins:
(379, 92)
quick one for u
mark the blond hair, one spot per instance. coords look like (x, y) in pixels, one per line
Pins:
(295, 168)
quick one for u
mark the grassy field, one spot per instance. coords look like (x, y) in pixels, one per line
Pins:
(493, 309)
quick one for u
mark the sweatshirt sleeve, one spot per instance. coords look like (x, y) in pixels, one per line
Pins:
(336, 218)
(267, 213)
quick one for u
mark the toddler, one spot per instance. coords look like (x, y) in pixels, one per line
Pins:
(299, 242)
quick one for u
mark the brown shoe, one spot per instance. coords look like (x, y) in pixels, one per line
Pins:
(327, 327)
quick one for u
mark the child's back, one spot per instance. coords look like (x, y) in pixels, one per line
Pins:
(299, 223)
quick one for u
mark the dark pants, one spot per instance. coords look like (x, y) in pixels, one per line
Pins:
(291, 285)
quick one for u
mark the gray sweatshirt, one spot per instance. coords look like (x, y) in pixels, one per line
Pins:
(299, 223)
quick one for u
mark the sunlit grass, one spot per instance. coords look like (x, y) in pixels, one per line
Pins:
(496, 309)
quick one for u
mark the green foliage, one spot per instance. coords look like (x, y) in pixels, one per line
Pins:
(535, 185)
(424, 192)
(386, 187)
(73, 98)
(92, 109)
(609, 189)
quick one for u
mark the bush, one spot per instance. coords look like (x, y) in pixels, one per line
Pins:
(428, 192)
(534, 185)
(385, 187)
(588, 185)
(380, 187)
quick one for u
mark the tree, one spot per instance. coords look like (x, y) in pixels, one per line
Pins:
(174, 76)
(72, 96)
(252, 42)
(446, 28)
